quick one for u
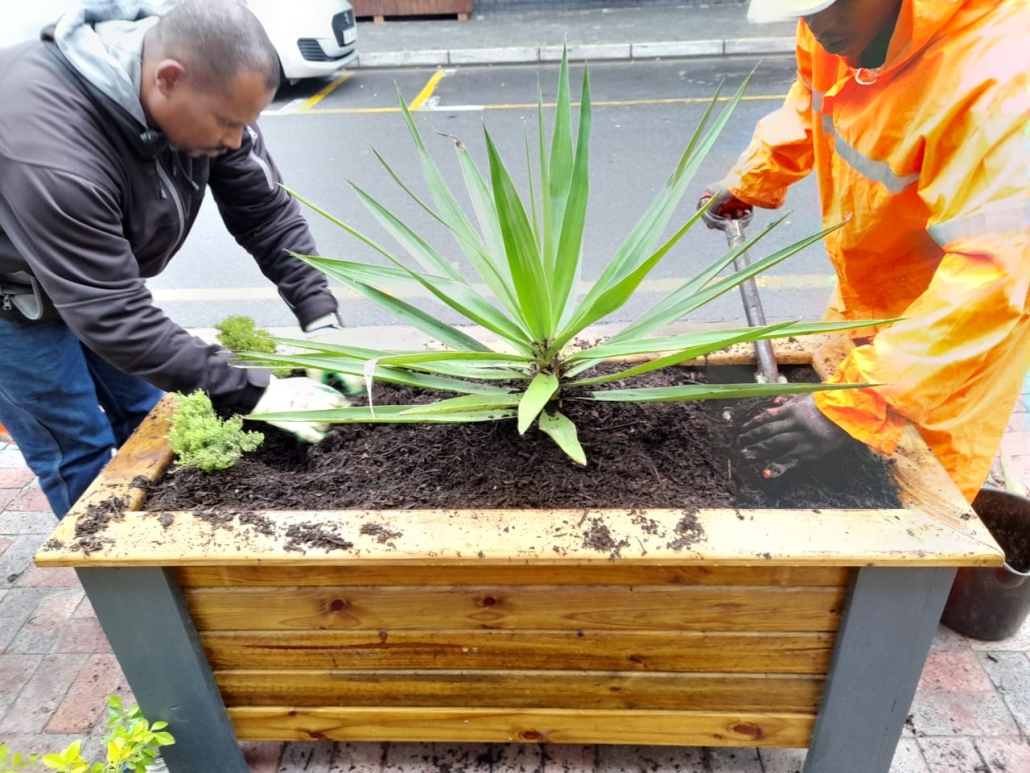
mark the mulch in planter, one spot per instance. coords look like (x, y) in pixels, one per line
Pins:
(661, 455)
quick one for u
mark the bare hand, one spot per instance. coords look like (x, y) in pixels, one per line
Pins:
(725, 204)
(792, 432)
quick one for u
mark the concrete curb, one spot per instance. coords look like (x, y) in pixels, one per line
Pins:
(673, 49)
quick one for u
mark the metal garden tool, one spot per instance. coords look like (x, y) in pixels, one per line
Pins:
(767, 373)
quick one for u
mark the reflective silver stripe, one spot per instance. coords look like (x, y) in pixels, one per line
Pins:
(1002, 220)
(817, 100)
(258, 160)
(878, 171)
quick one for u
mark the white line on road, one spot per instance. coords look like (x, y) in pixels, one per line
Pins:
(176, 295)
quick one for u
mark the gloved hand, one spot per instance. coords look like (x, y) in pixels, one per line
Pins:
(792, 432)
(725, 205)
(287, 395)
(330, 330)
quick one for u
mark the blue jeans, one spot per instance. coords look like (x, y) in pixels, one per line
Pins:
(65, 407)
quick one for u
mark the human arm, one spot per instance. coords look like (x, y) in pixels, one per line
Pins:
(267, 222)
(781, 149)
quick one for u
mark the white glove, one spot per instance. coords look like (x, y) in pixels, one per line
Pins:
(289, 395)
(328, 329)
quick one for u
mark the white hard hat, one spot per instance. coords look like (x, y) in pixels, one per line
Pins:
(778, 10)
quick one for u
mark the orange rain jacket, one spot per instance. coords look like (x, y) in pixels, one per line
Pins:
(927, 160)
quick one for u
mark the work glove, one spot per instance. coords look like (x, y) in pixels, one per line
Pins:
(288, 395)
(725, 204)
(330, 330)
(791, 432)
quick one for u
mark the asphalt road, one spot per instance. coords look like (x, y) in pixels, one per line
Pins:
(322, 135)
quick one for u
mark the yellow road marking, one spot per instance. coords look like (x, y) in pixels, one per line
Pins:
(306, 107)
(532, 106)
(427, 91)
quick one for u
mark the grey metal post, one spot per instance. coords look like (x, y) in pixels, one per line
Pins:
(144, 614)
(889, 622)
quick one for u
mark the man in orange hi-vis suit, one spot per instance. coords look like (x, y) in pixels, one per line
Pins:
(914, 116)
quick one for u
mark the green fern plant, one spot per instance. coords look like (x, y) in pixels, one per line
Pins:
(131, 745)
(527, 251)
(202, 439)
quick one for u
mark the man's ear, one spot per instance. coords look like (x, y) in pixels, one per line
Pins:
(168, 74)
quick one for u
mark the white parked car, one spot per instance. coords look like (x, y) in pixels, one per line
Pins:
(314, 38)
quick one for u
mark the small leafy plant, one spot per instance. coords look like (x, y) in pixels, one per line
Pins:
(527, 251)
(239, 334)
(202, 439)
(132, 745)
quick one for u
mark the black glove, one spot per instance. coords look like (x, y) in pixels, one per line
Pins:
(725, 205)
(792, 432)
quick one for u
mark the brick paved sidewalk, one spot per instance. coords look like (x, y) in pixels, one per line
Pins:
(971, 713)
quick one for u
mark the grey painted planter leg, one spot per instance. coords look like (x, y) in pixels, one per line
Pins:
(144, 614)
(885, 635)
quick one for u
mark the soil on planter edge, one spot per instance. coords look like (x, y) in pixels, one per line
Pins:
(660, 455)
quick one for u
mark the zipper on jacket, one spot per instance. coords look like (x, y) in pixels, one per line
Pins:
(179, 208)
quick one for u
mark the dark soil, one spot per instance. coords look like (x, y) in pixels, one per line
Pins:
(662, 455)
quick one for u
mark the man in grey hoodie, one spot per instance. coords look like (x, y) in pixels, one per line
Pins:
(114, 124)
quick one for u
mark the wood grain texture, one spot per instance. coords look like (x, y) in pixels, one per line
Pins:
(522, 689)
(518, 607)
(528, 726)
(772, 653)
(381, 8)
(608, 573)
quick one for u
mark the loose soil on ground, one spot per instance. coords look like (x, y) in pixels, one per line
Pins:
(660, 455)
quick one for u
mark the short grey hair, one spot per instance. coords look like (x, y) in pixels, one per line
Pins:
(217, 40)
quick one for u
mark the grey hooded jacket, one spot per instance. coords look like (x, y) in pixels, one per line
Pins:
(93, 201)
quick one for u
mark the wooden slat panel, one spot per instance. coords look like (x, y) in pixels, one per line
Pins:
(541, 726)
(523, 689)
(609, 573)
(773, 653)
(518, 607)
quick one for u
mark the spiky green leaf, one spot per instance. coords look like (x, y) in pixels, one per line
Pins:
(562, 431)
(541, 389)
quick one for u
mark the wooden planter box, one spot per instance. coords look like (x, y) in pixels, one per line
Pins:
(381, 8)
(788, 628)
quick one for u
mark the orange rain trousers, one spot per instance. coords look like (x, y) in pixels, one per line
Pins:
(927, 162)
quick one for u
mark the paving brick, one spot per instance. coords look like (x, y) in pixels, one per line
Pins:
(959, 670)
(85, 609)
(944, 713)
(40, 743)
(41, 631)
(262, 756)
(49, 577)
(569, 758)
(16, 607)
(358, 758)
(1010, 673)
(908, 758)
(952, 755)
(1018, 642)
(1016, 443)
(306, 757)
(15, 477)
(1011, 755)
(5, 542)
(28, 522)
(734, 760)
(15, 670)
(86, 701)
(11, 457)
(42, 694)
(17, 559)
(783, 760)
(430, 757)
(31, 499)
(8, 495)
(632, 759)
(82, 635)
(515, 757)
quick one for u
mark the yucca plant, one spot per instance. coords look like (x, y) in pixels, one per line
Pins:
(527, 251)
